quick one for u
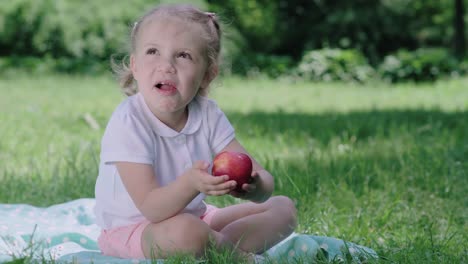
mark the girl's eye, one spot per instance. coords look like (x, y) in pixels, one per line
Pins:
(151, 51)
(185, 55)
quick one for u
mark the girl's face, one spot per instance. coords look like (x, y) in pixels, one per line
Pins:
(169, 64)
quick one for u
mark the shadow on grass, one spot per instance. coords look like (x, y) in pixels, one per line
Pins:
(436, 142)
(325, 126)
(423, 149)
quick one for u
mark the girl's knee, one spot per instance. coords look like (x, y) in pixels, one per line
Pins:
(183, 233)
(192, 232)
(284, 208)
(282, 203)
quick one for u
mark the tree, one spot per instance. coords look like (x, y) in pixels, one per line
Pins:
(459, 28)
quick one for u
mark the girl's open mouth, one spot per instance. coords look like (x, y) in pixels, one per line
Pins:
(165, 87)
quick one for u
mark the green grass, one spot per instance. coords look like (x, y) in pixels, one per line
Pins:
(379, 165)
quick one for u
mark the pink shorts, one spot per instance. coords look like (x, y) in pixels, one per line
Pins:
(125, 241)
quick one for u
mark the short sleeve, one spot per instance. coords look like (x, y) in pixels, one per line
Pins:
(127, 139)
(221, 132)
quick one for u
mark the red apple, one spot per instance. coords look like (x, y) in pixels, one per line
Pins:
(238, 166)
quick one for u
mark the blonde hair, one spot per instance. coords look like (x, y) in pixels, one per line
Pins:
(208, 21)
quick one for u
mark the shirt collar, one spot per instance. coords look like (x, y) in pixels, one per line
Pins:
(161, 129)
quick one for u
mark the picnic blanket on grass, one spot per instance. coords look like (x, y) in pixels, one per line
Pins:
(67, 233)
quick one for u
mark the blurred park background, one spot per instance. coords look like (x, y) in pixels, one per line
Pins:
(359, 40)
(359, 108)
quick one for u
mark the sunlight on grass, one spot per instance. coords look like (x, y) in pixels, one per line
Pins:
(240, 95)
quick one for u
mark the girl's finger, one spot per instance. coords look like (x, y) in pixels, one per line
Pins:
(254, 174)
(229, 185)
(214, 180)
(225, 186)
(201, 165)
(250, 187)
(218, 193)
(218, 179)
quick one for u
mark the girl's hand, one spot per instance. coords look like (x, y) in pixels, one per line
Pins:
(252, 190)
(206, 183)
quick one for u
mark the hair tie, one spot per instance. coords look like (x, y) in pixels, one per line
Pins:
(210, 15)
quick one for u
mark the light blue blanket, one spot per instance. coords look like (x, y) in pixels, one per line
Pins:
(67, 233)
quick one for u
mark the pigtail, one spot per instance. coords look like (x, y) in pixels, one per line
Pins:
(215, 29)
(124, 76)
(212, 26)
(121, 68)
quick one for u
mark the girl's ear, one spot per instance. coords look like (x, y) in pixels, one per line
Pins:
(132, 64)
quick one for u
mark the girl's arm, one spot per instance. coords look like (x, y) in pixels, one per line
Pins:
(264, 183)
(158, 203)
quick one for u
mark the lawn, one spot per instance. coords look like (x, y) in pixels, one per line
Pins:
(385, 166)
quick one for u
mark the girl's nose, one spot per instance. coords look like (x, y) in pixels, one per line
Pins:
(166, 66)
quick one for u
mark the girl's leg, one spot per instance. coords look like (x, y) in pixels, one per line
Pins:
(256, 227)
(183, 233)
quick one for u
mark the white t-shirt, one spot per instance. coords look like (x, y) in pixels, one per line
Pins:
(134, 134)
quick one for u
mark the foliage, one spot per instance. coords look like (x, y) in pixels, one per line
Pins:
(374, 27)
(65, 28)
(261, 36)
(423, 64)
(79, 33)
(334, 65)
(253, 64)
(270, 27)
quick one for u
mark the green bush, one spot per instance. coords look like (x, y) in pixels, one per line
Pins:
(76, 33)
(425, 64)
(334, 65)
(463, 67)
(65, 28)
(256, 20)
(252, 64)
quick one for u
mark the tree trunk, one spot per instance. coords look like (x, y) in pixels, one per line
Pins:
(459, 26)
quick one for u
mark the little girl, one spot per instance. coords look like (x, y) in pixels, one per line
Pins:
(158, 146)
